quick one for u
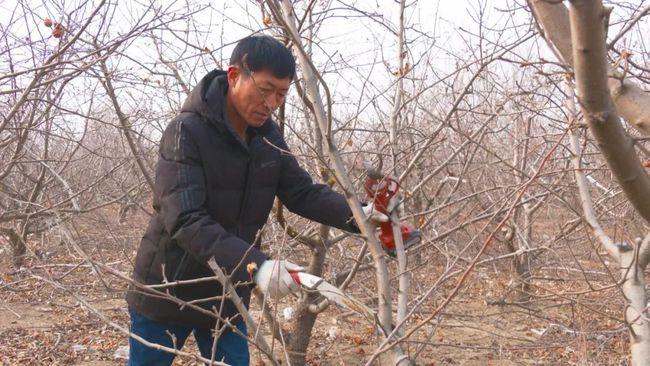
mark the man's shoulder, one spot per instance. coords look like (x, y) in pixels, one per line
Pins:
(183, 126)
(187, 122)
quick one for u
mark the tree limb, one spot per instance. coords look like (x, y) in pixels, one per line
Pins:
(590, 65)
(631, 101)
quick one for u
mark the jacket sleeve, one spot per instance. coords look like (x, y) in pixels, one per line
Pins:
(180, 192)
(313, 201)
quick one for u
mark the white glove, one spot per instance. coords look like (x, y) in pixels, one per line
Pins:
(375, 216)
(274, 280)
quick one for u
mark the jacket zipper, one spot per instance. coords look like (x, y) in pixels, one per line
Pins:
(179, 269)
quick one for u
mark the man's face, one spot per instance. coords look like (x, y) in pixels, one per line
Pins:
(256, 95)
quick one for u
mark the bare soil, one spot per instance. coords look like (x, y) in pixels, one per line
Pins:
(40, 324)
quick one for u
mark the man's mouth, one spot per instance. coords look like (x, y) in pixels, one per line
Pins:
(261, 115)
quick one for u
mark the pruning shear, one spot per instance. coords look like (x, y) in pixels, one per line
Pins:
(333, 294)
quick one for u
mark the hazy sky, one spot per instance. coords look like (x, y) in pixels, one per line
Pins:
(350, 46)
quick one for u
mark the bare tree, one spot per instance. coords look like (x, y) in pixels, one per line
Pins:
(529, 224)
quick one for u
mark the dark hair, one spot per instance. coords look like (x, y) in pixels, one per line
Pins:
(257, 53)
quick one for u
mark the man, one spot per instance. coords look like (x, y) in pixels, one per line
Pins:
(222, 161)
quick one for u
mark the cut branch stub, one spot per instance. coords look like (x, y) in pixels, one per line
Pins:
(374, 170)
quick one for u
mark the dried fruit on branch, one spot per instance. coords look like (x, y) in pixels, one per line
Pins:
(57, 32)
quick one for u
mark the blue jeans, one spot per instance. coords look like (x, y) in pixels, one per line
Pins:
(231, 348)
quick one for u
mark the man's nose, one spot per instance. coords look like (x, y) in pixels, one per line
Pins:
(273, 101)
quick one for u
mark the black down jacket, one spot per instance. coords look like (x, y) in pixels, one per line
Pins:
(212, 194)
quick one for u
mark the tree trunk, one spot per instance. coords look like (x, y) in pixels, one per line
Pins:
(637, 314)
(522, 218)
(631, 101)
(305, 319)
(18, 248)
(311, 81)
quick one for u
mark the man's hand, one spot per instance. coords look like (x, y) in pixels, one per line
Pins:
(274, 280)
(373, 215)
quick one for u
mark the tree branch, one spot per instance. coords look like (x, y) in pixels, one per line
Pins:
(631, 101)
(590, 65)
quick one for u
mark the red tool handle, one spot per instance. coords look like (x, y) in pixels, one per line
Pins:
(381, 191)
(295, 277)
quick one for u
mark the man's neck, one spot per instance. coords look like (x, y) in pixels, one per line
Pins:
(236, 121)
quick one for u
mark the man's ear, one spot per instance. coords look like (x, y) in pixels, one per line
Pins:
(233, 74)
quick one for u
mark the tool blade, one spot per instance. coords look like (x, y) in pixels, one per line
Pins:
(334, 294)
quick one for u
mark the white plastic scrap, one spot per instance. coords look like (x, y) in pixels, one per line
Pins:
(122, 352)
(287, 313)
(79, 347)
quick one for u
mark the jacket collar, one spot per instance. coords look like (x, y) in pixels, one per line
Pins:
(208, 99)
